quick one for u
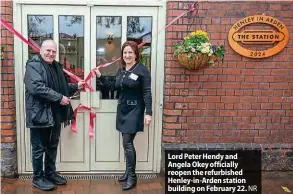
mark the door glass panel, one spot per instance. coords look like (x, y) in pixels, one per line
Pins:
(108, 48)
(139, 29)
(71, 44)
(40, 28)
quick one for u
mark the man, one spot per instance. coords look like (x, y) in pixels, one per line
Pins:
(47, 106)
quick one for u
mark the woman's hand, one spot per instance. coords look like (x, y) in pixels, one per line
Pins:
(81, 84)
(97, 71)
(147, 119)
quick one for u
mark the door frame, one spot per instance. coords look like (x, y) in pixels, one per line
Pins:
(82, 163)
(145, 157)
(159, 90)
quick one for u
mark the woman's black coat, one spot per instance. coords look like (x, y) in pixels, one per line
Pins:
(135, 97)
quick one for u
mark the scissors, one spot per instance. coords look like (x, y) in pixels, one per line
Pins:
(74, 96)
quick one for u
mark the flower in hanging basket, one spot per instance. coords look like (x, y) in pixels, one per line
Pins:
(196, 52)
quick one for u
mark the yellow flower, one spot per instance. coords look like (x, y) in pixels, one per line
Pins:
(200, 32)
(186, 38)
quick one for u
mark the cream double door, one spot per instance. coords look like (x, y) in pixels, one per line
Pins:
(88, 36)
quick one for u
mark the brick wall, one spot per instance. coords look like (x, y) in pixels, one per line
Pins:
(8, 117)
(242, 100)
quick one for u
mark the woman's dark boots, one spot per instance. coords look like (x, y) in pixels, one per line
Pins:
(125, 175)
(131, 164)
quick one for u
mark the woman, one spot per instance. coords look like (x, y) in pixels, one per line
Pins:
(133, 82)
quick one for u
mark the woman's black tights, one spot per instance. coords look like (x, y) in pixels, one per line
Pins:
(130, 155)
(128, 138)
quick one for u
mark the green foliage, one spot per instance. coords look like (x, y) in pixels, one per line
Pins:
(198, 42)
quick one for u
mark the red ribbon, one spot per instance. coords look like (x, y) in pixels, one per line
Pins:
(36, 48)
(11, 29)
(76, 78)
(92, 117)
(34, 44)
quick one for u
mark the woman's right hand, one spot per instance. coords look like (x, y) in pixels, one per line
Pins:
(98, 73)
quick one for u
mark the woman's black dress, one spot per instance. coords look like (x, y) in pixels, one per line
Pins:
(135, 97)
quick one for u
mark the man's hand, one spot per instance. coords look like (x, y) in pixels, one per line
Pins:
(98, 73)
(65, 100)
(81, 84)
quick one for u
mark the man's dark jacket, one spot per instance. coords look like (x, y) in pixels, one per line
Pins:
(40, 97)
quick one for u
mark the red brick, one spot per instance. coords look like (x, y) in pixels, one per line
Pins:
(217, 13)
(225, 21)
(255, 106)
(171, 139)
(174, 70)
(8, 132)
(289, 112)
(207, 21)
(211, 85)
(230, 92)
(247, 99)
(10, 118)
(211, 99)
(206, 5)
(246, 112)
(7, 126)
(7, 112)
(264, 86)
(229, 106)
(229, 99)
(169, 132)
(187, 112)
(193, 99)
(177, 85)
(181, 105)
(172, 112)
(176, 99)
(233, 85)
(280, 72)
(170, 119)
(228, 113)
(275, 6)
(8, 139)
(278, 86)
(212, 92)
(211, 106)
(179, 28)
(171, 5)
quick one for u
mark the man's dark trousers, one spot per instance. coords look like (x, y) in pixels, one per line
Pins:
(45, 140)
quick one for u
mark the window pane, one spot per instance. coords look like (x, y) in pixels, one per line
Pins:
(139, 29)
(108, 48)
(71, 45)
(40, 28)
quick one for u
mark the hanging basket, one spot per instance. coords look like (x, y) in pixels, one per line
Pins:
(194, 61)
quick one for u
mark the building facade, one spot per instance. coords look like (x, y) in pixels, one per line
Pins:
(240, 103)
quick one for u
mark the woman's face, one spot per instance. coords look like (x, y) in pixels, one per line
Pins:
(129, 55)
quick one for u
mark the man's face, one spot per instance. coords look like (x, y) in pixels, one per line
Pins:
(48, 52)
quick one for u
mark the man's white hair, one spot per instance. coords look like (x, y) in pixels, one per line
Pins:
(48, 42)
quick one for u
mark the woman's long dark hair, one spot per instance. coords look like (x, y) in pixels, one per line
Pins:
(134, 47)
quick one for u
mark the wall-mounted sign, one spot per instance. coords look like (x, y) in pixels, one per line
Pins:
(275, 40)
